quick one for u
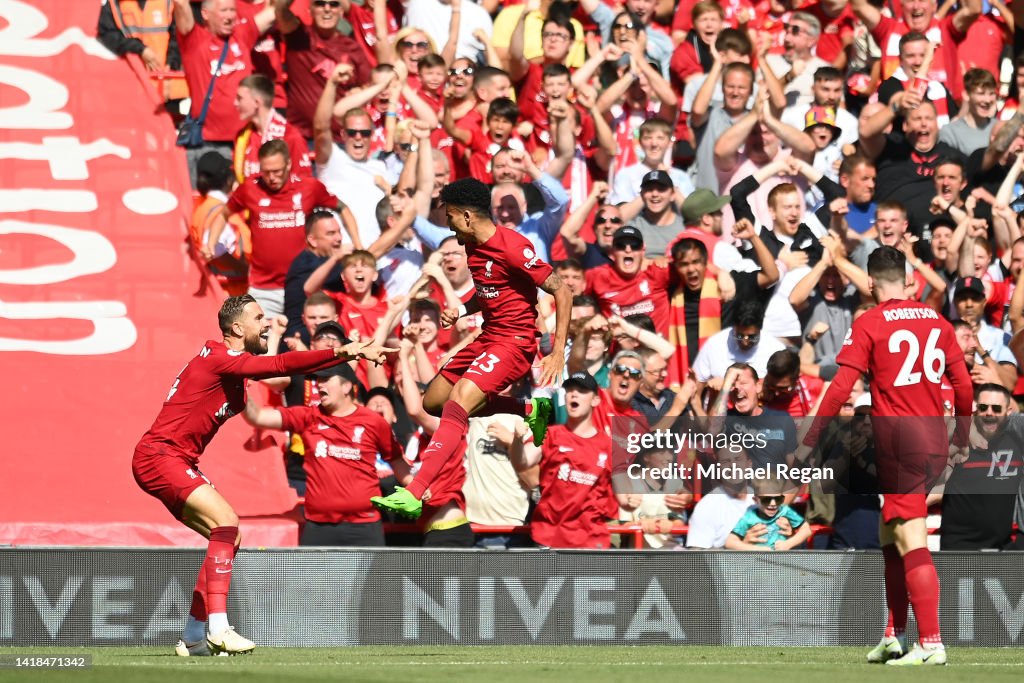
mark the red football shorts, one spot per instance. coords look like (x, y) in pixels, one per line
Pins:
(492, 365)
(903, 506)
(168, 477)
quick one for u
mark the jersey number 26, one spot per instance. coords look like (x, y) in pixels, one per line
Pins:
(933, 363)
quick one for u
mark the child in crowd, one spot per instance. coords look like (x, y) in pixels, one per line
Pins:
(769, 508)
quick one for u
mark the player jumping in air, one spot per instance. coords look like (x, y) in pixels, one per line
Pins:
(506, 273)
(907, 349)
(209, 390)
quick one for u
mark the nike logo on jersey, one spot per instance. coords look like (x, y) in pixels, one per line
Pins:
(323, 426)
(564, 449)
(609, 295)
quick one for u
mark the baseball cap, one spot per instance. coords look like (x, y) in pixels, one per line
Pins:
(657, 178)
(581, 380)
(626, 234)
(342, 370)
(331, 326)
(968, 285)
(822, 116)
(701, 202)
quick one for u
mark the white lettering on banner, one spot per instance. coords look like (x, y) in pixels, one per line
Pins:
(1012, 617)
(654, 599)
(25, 22)
(6, 607)
(168, 613)
(66, 154)
(416, 600)
(584, 607)
(965, 610)
(36, 199)
(534, 616)
(104, 606)
(485, 629)
(46, 97)
(113, 330)
(53, 615)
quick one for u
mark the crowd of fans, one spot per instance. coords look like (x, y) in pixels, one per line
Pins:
(708, 178)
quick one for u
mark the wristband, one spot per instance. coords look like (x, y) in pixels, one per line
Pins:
(462, 310)
(391, 115)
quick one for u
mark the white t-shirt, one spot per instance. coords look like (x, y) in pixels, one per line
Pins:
(721, 350)
(435, 18)
(780, 318)
(714, 517)
(399, 269)
(352, 182)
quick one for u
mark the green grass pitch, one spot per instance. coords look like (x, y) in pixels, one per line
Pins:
(518, 664)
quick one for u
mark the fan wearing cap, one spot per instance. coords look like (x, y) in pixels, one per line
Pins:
(625, 287)
(969, 301)
(341, 441)
(655, 138)
(655, 213)
(575, 473)
(820, 124)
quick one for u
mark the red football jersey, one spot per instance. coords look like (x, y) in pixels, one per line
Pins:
(606, 411)
(507, 273)
(908, 348)
(277, 221)
(576, 486)
(211, 388)
(340, 461)
(646, 292)
(200, 52)
(276, 129)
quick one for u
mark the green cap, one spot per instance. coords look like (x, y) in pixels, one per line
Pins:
(701, 202)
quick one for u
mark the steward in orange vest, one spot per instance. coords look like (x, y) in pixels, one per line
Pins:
(144, 28)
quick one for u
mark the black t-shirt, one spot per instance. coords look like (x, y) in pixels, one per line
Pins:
(775, 427)
(990, 179)
(294, 296)
(977, 507)
(593, 257)
(907, 176)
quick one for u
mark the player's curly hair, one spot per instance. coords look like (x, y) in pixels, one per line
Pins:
(231, 310)
(468, 193)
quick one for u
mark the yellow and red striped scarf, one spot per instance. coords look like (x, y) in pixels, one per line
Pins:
(710, 313)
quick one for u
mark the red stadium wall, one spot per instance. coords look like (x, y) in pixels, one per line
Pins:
(97, 304)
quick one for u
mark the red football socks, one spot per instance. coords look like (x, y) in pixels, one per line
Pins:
(923, 586)
(220, 557)
(198, 610)
(895, 592)
(443, 445)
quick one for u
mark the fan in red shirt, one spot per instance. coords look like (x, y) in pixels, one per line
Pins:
(575, 473)
(908, 350)
(209, 390)
(201, 48)
(341, 441)
(312, 52)
(624, 287)
(359, 308)
(254, 103)
(785, 389)
(506, 273)
(277, 204)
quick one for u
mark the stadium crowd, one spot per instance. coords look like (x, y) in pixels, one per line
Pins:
(707, 178)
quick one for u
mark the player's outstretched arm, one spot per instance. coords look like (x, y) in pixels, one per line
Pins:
(368, 350)
(553, 364)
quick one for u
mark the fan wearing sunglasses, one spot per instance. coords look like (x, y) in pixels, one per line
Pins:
(312, 50)
(978, 498)
(607, 219)
(769, 507)
(797, 64)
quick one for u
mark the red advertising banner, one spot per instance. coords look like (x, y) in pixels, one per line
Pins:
(98, 311)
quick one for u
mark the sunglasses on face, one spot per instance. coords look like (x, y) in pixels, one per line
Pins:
(753, 338)
(419, 44)
(771, 500)
(994, 407)
(464, 71)
(625, 26)
(358, 132)
(635, 246)
(405, 146)
(614, 220)
(553, 35)
(795, 30)
(333, 4)
(626, 371)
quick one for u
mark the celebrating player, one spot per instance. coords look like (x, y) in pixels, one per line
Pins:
(208, 391)
(506, 272)
(907, 349)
